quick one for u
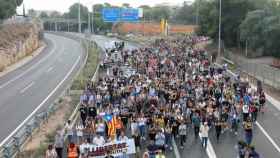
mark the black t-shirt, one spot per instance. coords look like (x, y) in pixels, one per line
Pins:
(83, 111)
(92, 112)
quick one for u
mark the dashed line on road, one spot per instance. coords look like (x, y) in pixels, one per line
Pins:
(268, 137)
(176, 151)
(49, 69)
(209, 149)
(42, 103)
(274, 103)
(30, 68)
(27, 87)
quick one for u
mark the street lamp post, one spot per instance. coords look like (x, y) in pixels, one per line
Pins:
(220, 19)
(79, 17)
(197, 12)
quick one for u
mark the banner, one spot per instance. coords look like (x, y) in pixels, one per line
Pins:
(117, 148)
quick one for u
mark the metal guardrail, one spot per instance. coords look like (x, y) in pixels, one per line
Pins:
(74, 116)
(10, 147)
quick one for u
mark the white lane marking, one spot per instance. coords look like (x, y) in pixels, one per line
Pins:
(176, 151)
(268, 137)
(49, 69)
(209, 150)
(27, 87)
(41, 104)
(274, 103)
(30, 68)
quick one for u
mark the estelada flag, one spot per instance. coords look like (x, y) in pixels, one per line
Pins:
(114, 124)
(111, 123)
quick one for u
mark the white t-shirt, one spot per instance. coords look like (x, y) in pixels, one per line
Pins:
(204, 131)
(134, 126)
(98, 141)
(83, 147)
(100, 127)
(245, 109)
(124, 138)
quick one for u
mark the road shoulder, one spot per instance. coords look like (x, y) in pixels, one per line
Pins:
(24, 60)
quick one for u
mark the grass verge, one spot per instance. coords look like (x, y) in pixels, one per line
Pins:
(89, 69)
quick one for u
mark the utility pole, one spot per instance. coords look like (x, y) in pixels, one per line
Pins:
(246, 51)
(220, 21)
(197, 12)
(92, 20)
(79, 17)
(89, 22)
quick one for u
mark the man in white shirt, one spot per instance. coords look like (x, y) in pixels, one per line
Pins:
(84, 147)
(134, 127)
(98, 140)
(204, 129)
(122, 137)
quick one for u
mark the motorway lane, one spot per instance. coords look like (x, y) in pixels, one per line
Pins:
(102, 41)
(38, 82)
(227, 147)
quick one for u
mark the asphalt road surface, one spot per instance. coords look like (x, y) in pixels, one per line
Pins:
(266, 137)
(38, 83)
(267, 128)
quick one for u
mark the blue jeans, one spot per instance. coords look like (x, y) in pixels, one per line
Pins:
(142, 130)
(204, 141)
(168, 137)
(248, 137)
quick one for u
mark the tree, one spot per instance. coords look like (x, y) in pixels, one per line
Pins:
(262, 29)
(44, 15)
(74, 9)
(97, 8)
(233, 13)
(98, 23)
(126, 5)
(160, 12)
(32, 12)
(185, 14)
(8, 8)
(107, 5)
(55, 14)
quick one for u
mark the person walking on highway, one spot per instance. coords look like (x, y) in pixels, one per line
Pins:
(218, 128)
(168, 136)
(51, 153)
(248, 129)
(59, 143)
(69, 131)
(73, 151)
(196, 124)
(245, 110)
(182, 133)
(160, 139)
(83, 113)
(204, 129)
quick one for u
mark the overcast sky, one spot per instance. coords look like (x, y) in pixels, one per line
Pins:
(63, 5)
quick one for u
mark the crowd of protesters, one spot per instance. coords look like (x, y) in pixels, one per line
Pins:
(176, 90)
